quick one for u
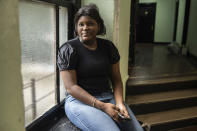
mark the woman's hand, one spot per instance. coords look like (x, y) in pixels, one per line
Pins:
(112, 111)
(123, 110)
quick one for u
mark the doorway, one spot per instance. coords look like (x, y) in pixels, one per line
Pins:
(145, 22)
(141, 25)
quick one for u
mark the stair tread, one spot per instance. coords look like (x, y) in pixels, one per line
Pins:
(169, 116)
(161, 96)
(190, 128)
(134, 81)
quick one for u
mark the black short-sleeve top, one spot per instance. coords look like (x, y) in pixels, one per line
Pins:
(93, 67)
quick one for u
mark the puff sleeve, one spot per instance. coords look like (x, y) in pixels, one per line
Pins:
(114, 54)
(67, 58)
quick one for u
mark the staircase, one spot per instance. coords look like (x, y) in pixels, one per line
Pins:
(165, 103)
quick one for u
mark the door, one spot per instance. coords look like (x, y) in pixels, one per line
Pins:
(145, 22)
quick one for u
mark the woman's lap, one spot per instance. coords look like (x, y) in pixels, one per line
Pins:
(89, 118)
(132, 125)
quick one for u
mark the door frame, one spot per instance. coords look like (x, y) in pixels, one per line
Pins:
(132, 36)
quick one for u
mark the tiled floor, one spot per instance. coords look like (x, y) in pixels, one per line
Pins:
(156, 61)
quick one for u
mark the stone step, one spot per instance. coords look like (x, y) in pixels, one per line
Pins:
(171, 119)
(190, 128)
(138, 86)
(162, 96)
(154, 102)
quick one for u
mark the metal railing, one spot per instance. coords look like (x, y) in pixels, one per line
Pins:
(32, 85)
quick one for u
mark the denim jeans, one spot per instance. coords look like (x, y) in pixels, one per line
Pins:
(89, 118)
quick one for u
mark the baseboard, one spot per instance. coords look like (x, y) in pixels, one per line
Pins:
(161, 43)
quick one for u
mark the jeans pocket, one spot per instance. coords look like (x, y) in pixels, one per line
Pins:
(69, 98)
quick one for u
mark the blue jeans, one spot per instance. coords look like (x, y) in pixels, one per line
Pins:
(88, 118)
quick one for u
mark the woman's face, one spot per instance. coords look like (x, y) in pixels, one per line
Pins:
(87, 28)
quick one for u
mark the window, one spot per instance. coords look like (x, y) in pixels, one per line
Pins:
(63, 24)
(43, 28)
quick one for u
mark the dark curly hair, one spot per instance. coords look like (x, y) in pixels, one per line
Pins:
(92, 11)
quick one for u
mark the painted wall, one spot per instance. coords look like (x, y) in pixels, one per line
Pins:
(147, 1)
(11, 101)
(180, 22)
(192, 29)
(118, 33)
(123, 34)
(164, 21)
(106, 9)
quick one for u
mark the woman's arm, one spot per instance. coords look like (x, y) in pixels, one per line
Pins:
(70, 82)
(118, 88)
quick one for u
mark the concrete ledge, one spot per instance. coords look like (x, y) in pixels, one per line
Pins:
(64, 125)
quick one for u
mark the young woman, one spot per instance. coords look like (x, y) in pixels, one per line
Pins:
(88, 66)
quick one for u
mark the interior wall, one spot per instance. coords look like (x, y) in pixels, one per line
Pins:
(192, 29)
(180, 22)
(147, 1)
(11, 101)
(106, 9)
(164, 21)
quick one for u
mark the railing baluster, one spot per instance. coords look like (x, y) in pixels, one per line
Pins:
(33, 88)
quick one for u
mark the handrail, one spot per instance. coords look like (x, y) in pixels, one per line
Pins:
(27, 85)
(32, 85)
(28, 107)
(45, 96)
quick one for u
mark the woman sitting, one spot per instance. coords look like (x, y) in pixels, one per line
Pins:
(88, 65)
